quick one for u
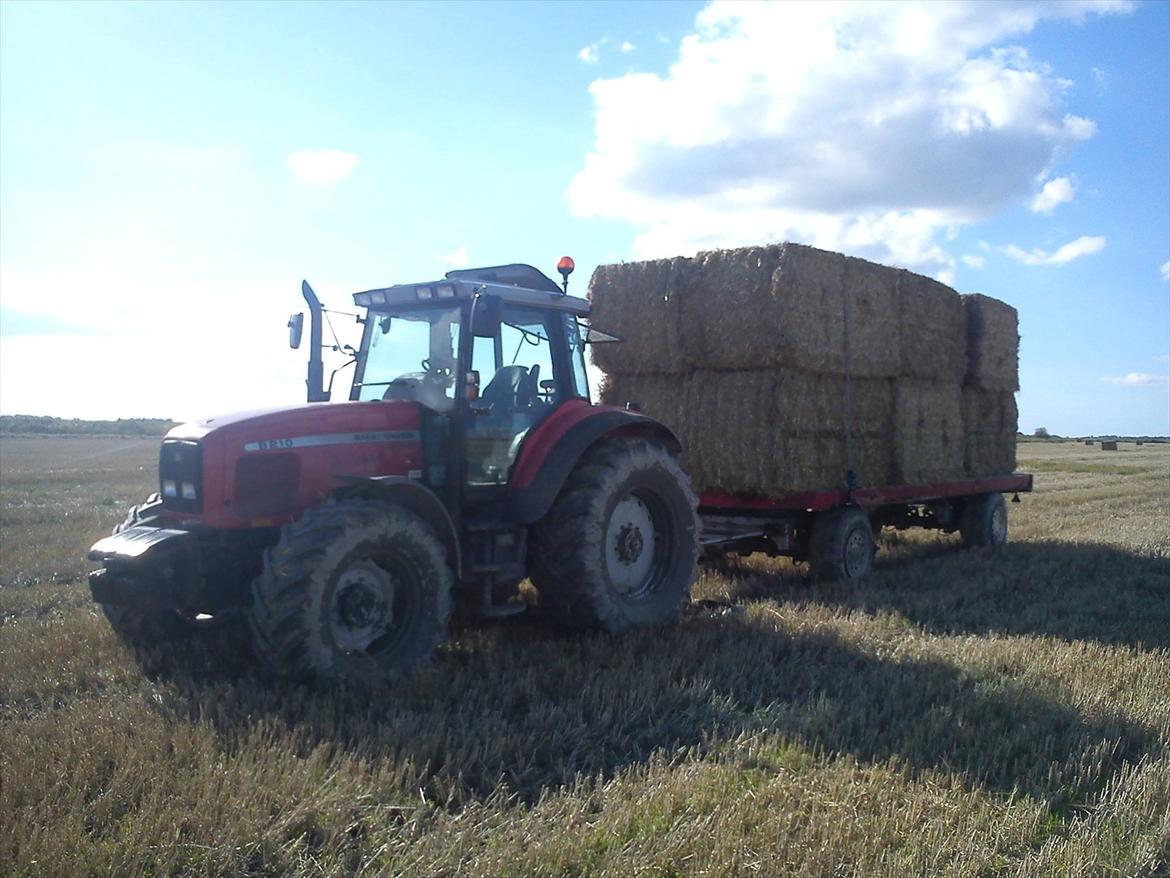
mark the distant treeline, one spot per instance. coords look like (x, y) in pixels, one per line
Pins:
(38, 424)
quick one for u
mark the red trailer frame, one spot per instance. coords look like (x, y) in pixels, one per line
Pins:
(834, 529)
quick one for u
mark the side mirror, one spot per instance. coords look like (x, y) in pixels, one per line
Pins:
(596, 336)
(296, 325)
(488, 314)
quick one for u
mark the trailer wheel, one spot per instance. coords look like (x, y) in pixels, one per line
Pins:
(357, 591)
(841, 545)
(619, 548)
(985, 521)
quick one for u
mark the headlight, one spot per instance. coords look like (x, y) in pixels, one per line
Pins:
(188, 491)
(424, 292)
(170, 489)
(446, 291)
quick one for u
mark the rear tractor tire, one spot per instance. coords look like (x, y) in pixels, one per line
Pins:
(984, 521)
(357, 591)
(619, 547)
(841, 546)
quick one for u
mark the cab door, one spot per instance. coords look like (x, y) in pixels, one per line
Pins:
(519, 374)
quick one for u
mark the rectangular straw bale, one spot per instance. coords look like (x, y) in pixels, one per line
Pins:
(730, 319)
(660, 396)
(765, 432)
(928, 431)
(933, 340)
(989, 423)
(639, 301)
(783, 306)
(993, 343)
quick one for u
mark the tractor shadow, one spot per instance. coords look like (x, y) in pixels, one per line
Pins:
(1080, 591)
(516, 711)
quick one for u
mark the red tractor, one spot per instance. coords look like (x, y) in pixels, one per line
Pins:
(467, 459)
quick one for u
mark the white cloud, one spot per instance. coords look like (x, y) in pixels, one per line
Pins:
(1163, 358)
(1138, 379)
(321, 166)
(457, 258)
(626, 47)
(1082, 246)
(859, 126)
(1055, 192)
(972, 261)
(1165, 270)
(589, 54)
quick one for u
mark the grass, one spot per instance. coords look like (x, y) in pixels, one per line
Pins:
(1000, 712)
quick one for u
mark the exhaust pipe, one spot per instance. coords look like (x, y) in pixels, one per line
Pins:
(316, 377)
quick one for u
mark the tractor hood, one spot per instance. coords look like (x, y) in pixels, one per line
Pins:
(302, 425)
(266, 465)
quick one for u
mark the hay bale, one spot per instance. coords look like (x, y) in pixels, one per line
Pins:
(928, 431)
(639, 301)
(783, 306)
(1088, 441)
(989, 427)
(662, 397)
(933, 344)
(993, 343)
(766, 432)
(1108, 445)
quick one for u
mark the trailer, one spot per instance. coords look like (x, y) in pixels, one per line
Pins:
(834, 530)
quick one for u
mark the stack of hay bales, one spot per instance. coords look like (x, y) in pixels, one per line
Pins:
(991, 382)
(744, 353)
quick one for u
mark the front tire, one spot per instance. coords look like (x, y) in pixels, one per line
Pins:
(619, 547)
(985, 521)
(139, 629)
(357, 591)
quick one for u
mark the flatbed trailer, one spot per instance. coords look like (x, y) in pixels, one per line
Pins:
(834, 530)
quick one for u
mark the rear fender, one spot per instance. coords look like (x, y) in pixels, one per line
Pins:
(553, 450)
(416, 497)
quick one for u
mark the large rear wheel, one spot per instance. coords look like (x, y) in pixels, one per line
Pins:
(357, 591)
(619, 547)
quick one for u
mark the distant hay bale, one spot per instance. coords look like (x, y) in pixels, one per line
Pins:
(989, 426)
(928, 431)
(1089, 442)
(640, 302)
(932, 330)
(993, 343)
(1109, 446)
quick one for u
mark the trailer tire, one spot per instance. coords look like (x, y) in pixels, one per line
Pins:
(619, 547)
(357, 591)
(841, 546)
(984, 521)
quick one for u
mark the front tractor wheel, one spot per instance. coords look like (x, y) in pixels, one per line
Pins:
(357, 591)
(619, 547)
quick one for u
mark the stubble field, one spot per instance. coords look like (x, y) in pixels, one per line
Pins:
(993, 712)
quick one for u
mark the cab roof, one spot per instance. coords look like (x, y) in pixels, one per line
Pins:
(515, 283)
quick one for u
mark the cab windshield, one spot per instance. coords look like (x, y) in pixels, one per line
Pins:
(412, 354)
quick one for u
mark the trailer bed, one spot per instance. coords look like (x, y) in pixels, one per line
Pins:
(866, 498)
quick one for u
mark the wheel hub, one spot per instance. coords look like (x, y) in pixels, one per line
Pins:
(362, 607)
(858, 554)
(630, 543)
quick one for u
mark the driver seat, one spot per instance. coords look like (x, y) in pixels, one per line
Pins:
(503, 391)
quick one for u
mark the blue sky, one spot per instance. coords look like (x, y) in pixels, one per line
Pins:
(170, 172)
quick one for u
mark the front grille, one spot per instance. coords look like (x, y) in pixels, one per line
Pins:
(180, 475)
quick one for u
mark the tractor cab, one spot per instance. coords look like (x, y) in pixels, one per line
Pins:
(490, 351)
